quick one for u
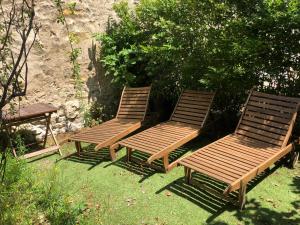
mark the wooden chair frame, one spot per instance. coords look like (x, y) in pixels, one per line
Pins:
(241, 182)
(124, 115)
(165, 151)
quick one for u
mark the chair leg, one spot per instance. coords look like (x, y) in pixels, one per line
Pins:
(78, 147)
(112, 152)
(128, 154)
(188, 175)
(166, 162)
(242, 195)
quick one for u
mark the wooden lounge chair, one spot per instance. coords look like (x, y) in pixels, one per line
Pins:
(131, 113)
(261, 138)
(186, 122)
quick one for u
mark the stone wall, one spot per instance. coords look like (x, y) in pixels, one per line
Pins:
(50, 78)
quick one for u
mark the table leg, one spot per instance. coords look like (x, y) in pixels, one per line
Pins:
(54, 138)
(48, 120)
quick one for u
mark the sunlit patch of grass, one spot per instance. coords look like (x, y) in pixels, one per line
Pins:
(127, 193)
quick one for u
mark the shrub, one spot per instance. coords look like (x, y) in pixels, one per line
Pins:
(31, 197)
(225, 45)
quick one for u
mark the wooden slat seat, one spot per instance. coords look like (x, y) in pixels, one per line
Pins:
(159, 137)
(131, 113)
(104, 132)
(229, 158)
(185, 124)
(261, 138)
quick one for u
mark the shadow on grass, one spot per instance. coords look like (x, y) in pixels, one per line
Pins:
(256, 214)
(89, 156)
(138, 166)
(210, 202)
(296, 189)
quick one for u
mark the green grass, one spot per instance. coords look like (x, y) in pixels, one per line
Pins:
(122, 193)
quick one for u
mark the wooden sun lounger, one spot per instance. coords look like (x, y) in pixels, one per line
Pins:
(261, 138)
(131, 113)
(186, 122)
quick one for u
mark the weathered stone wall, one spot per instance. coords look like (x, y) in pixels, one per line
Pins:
(50, 75)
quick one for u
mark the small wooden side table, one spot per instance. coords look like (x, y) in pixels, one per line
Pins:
(28, 114)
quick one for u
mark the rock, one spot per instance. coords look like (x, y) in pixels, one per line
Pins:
(72, 109)
(74, 126)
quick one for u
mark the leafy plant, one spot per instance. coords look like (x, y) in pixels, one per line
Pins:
(31, 197)
(75, 52)
(228, 46)
(18, 33)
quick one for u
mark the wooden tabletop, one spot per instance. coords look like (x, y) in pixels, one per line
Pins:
(29, 112)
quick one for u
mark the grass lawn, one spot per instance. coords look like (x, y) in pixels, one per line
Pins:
(122, 193)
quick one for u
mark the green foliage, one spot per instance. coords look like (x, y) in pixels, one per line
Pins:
(31, 197)
(97, 112)
(75, 52)
(60, 18)
(226, 45)
(72, 7)
(92, 116)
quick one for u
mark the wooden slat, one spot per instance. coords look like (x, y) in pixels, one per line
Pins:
(193, 107)
(274, 102)
(237, 154)
(186, 121)
(250, 152)
(134, 97)
(144, 144)
(216, 158)
(198, 102)
(269, 112)
(253, 143)
(258, 169)
(210, 162)
(262, 132)
(265, 125)
(218, 168)
(267, 118)
(292, 100)
(129, 116)
(259, 137)
(256, 151)
(189, 106)
(134, 103)
(196, 98)
(276, 108)
(185, 109)
(158, 137)
(40, 152)
(210, 172)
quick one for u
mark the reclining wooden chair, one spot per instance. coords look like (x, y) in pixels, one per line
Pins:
(186, 122)
(261, 138)
(131, 113)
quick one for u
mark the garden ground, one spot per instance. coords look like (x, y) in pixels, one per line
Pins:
(127, 193)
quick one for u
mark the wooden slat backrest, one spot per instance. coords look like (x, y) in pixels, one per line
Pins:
(193, 107)
(268, 118)
(134, 103)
